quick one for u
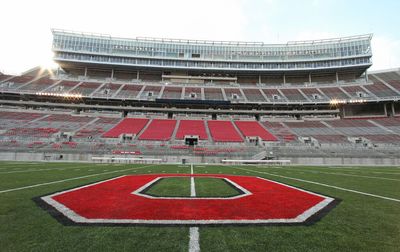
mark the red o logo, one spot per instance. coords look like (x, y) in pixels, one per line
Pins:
(121, 201)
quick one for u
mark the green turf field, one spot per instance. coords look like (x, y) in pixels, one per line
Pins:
(367, 219)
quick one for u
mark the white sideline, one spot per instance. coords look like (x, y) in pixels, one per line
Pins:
(332, 173)
(326, 185)
(64, 180)
(194, 237)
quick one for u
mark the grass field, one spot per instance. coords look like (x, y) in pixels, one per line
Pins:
(367, 219)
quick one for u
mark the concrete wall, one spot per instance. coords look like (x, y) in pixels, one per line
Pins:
(26, 156)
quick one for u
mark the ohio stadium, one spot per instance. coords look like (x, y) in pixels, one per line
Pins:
(310, 102)
(142, 144)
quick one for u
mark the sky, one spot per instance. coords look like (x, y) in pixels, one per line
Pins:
(26, 25)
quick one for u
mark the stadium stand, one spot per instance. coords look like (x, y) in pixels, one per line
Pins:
(86, 88)
(129, 91)
(193, 93)
(213, 94)
(274, 95)
(391, 124)
(159, 130)
(253, 95)
(293, 95)
(381, 90)
(233, 94)
(10, 119)
(127, 126)
(334, 93)
(254, 129)
(4, 77)
(38, 85)
(172, 93)
(16, 82)
(223, 131)
(356, 91)
(63, 87)
(107, 90)
(281, 131)
(331, 139)
(228, 102)
(191, 127)
(97, 128)
(313, 94)
(151, 92)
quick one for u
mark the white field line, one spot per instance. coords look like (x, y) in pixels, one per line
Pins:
(49, 169)
(358, 167)
(326, 185)
(192, 184)
(365, 170)
(361, 170)
(192, 187)
(69, 179)
(194, 236)
(10, 167)
(336, 173)
(194, 242)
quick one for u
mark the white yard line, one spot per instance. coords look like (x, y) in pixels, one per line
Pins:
(192, 187)
(194, 236)
(64, 180)
(192, 184)
(194, 242)
(326, 185)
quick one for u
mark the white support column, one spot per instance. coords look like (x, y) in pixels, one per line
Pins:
(112, 73)
(385, 109)
(366, 76)
(284, 79)
(259, 79)
(309, 78)
(137, 75)
(85, 71)
(337, 77)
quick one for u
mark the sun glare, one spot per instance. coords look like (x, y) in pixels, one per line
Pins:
(47, 63)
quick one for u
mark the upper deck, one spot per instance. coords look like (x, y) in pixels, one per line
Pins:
(226, 56)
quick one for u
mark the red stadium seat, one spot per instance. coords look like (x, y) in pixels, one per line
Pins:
(224, 131)
(159, 130)
(254, 129)
(192, 127)
(127, 126)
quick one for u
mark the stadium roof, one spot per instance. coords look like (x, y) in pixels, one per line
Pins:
(216, 42)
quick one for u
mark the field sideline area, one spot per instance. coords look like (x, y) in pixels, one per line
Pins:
(367, 217)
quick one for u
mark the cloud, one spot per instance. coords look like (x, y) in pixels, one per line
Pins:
(26, 41)
(386, 53)
(26, 37)
(306, 35)
(385, 50)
